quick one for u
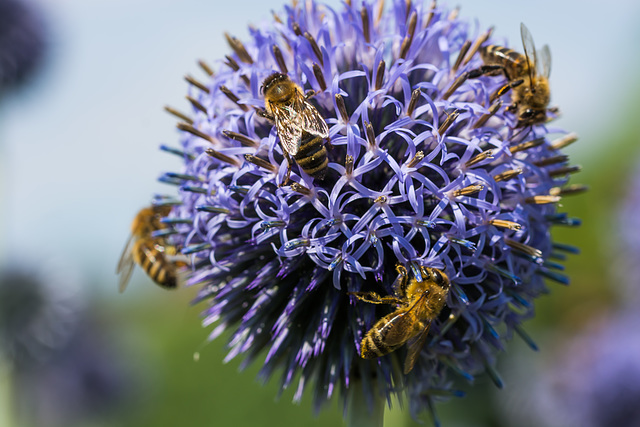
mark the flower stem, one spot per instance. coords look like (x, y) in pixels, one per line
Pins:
(363, 412)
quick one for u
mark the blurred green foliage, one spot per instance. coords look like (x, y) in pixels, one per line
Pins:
(184, 392)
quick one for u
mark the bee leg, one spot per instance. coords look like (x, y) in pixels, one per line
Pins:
(400, 284)
(327, 143)
(506, 88)
(471, 74)
(289, 163)
(531, 116)
(265, 115)
(373, 298)
(484, 70)
(310, 93)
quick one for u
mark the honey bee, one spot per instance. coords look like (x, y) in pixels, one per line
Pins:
(300, 127)
(149, 252)
(417, 304)
(528, 76)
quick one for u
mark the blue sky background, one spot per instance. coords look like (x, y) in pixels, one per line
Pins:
(79, 147)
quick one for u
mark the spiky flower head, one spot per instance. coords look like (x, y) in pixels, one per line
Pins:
(22, 41)
(425, 170)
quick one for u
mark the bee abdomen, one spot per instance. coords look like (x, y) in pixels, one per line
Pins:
(312, 157)
(155, 265)
(500, 55)
(373, 345)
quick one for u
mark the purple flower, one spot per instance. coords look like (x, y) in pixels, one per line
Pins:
(421, 173)
(22, 41)
(591, 380)
(629, 251)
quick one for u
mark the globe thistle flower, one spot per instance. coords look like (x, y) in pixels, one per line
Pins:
(591, 380)
(425, 170)
(21, 42)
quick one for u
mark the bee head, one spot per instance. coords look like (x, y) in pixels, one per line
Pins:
(437, 276)
(271, 80)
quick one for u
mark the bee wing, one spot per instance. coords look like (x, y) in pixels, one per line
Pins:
(126, 264)
(396, 329)
(310, 120)
(288, 125)
(529, 50)
(414, 346)
(544, 65)
(401, 323)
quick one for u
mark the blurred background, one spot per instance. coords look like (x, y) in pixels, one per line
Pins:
(78, 140)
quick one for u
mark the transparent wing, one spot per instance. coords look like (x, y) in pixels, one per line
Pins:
(543, 67)
(310, 120)
(126, 264)
(414, 345)
(403, 322)
(529, 50)
(289, 128)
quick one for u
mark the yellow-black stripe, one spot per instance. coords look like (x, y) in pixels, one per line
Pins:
(312, 156)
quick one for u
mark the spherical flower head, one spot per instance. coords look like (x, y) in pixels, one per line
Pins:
(425, 170)
(22, 41)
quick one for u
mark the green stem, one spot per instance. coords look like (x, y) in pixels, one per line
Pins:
(362, 412)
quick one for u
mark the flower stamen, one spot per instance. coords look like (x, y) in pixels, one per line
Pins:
(542, 199)
(507, 175)
(553, 160)
(526, 145)
(565, 141)
(314, 46)
(503, 223)
(262, 163)
(342, 108)
(178, 114)
(468, 190)
(493, 109)
(233, 97)
(380, 74)
(196, 83)
(223, 157)
(317, 71)
(415, 95)
(277, 54)
(567, 170)
(188, 128)
(238, 48)
(205, 67)
(196, 104)
(242, 139)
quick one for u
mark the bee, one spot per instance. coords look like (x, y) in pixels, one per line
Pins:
(300, 127)
(417, 304)
(149, 252)
(528, 76)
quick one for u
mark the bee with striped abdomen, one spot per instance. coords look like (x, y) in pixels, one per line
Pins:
(151, 253)
(300, 127)
(528, 76)
(417, 305)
